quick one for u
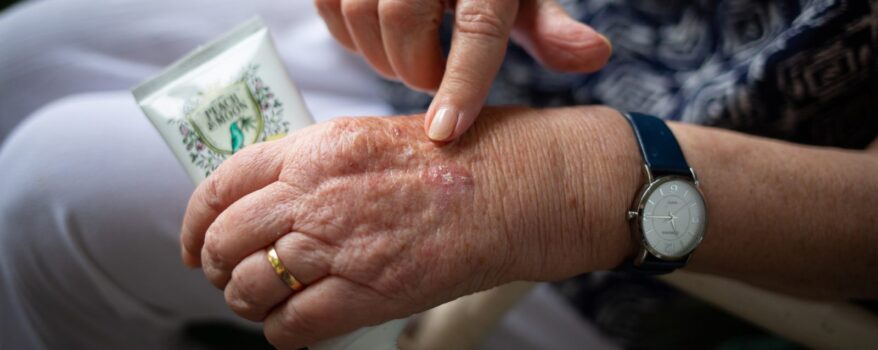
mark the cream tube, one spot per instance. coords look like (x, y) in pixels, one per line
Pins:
(226, 95)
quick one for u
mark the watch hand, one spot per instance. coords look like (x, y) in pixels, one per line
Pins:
(672, 224)
(658, 217)
(681, 208)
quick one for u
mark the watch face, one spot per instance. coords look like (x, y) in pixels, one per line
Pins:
(674, 217)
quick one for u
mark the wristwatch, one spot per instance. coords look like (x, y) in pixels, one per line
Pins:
(668, 216)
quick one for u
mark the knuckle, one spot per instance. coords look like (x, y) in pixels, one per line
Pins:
(409, 15)
(477, 20)
(241, 297)
(345, 133)
(260, 154)
(460, 80)
(311, 255)
(213, 248)
(394, 11)
(290, 319)
(296, 244)
(217, 278)
(352, 145)
(212, 195)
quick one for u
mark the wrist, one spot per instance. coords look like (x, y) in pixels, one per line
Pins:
(567, 177)
(604, 175)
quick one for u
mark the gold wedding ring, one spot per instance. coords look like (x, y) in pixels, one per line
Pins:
(282, 272)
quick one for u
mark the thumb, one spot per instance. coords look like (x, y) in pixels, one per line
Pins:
(558, 41)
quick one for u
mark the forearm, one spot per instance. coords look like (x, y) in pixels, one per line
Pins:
(790, 217)
(781, 215)
(797, 218)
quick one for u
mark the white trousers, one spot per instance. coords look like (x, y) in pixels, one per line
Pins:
(91, 198)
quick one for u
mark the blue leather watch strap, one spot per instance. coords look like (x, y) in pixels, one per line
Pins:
(654, 266)
(659, 147)
(663, 156)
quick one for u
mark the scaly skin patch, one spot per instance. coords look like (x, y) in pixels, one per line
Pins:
(452, 182)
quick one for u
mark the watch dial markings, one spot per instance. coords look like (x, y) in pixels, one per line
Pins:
(670, 225)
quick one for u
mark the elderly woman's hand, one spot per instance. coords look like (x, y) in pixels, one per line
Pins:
(380, 223)
(400, 39)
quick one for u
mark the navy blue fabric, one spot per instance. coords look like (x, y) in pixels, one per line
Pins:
(660, 149)
(799, 70)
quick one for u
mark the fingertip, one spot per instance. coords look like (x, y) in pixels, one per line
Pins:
(453, 110)
(189, 260)
(442, 124)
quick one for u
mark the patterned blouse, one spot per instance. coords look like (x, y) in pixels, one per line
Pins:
(799, 70)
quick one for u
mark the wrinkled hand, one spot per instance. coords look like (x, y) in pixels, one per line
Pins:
(381, 223)
(400, 39)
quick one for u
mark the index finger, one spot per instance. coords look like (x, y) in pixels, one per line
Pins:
(478, 45)
(251, 169)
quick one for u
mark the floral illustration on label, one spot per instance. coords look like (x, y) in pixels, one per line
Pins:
(221, 123)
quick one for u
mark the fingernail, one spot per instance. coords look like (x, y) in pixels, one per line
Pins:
(443, 124)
